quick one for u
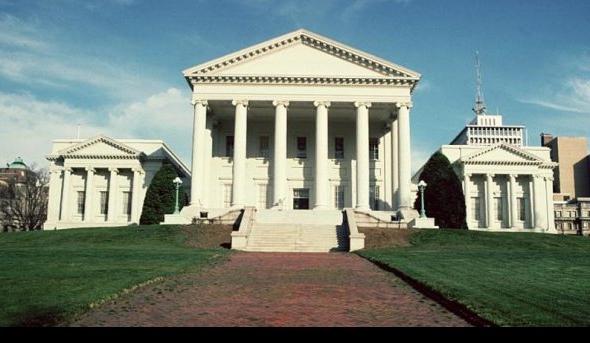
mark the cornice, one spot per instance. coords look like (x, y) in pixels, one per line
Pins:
(301, 80)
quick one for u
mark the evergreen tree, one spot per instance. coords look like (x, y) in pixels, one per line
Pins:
(443, 196)
(160, 196)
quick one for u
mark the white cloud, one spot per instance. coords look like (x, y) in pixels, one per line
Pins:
(29, 124)
(16, 33)
(573, 97)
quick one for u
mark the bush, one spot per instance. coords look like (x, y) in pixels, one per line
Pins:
(160, 196)
(443, 196)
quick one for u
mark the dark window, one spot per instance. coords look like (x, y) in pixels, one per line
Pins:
(301, 147)
(374, 148)
(339, 147)
(104, 202)
(263, 146)
(229, 146)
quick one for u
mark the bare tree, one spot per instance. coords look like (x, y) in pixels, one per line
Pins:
(23, 201)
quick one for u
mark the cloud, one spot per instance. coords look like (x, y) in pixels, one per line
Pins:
(30, 124)
(573, 97)
(29, 53)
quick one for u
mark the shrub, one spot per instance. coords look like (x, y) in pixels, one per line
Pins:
(443, 196)
(160, 196)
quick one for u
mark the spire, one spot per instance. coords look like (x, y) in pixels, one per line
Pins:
(480, 106)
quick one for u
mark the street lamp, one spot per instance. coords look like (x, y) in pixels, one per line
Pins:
(421, 186)
(177, 183)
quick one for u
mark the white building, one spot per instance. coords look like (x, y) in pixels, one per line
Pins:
(507, 186)
(101, 181)
(301, 122)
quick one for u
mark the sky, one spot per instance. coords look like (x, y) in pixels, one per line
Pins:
(114, 66)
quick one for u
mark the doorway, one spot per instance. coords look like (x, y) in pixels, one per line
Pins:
(301, 198)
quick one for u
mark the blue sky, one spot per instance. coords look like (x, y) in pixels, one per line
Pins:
(114, 66)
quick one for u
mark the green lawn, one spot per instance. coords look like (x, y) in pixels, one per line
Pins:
(51, 276)
(512, 279)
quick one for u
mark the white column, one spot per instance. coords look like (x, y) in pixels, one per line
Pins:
(136, 195)
(531, 201)
(88, 195)
(404, 155)
(549, 204)
(321, 155)
(362, 155)
(65, 203)
(467, 194)
(394, 164)
(489, 200)
(199, 124)
(113, 193)
(279, 174)
(55, 191)
(512, 200)
(240, 141)
(539, 202)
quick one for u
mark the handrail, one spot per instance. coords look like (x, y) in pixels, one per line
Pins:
(357, 239)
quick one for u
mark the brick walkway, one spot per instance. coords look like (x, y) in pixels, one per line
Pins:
(278, 289)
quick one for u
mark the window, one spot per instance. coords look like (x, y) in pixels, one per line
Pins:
(104, 202)
(263, 146)
(476, 208)
(339, 197)
(127, 203)
(301, 147)
(374, 148)
(339, 147)
(499, 209)
(558, 214)
(520, 207)
(263, 196)
(227, 194)
(229, 146)
(80, 202)
(374, 197)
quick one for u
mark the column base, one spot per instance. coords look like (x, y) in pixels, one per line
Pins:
(422, 223)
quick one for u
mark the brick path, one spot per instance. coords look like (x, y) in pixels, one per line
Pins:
(277, 289)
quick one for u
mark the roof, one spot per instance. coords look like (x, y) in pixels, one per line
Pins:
(384, 70)
(18, 163)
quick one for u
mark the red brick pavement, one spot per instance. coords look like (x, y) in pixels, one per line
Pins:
(277, 289)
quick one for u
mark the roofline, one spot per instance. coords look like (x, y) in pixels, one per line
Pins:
(414, 74)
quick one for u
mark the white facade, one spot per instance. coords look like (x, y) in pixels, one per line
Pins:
(506, 188)
(300, 122)
(101, 181)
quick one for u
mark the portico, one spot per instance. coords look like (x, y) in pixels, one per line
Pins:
(300, 116)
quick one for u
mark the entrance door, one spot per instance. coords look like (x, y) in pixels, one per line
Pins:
(301, 199)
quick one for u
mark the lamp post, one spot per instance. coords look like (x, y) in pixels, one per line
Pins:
(421, 186)
(177, 183)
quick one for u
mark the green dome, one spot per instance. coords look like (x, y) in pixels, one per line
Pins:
(18, 164)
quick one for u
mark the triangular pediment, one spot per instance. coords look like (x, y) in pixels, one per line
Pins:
(100, 146)
(301, 54)
(502, 154)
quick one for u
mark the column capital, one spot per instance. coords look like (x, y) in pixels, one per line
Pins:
(56, 170)
(68, 170)
(467, 175)
(548, 178)
(358, 104)
(114, 170)
(537, 176)
(490, 175)
(407, 104)
(90, 170)
(318, 103)
(201, 102)
(137, 170)
(242, 102)
(284, 103)
(512, 176)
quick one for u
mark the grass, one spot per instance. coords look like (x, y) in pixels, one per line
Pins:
(511, 279)
(50, 277)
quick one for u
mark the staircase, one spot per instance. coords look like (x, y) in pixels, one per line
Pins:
(298, 231)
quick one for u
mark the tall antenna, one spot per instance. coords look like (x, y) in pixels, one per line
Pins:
(480, 106)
